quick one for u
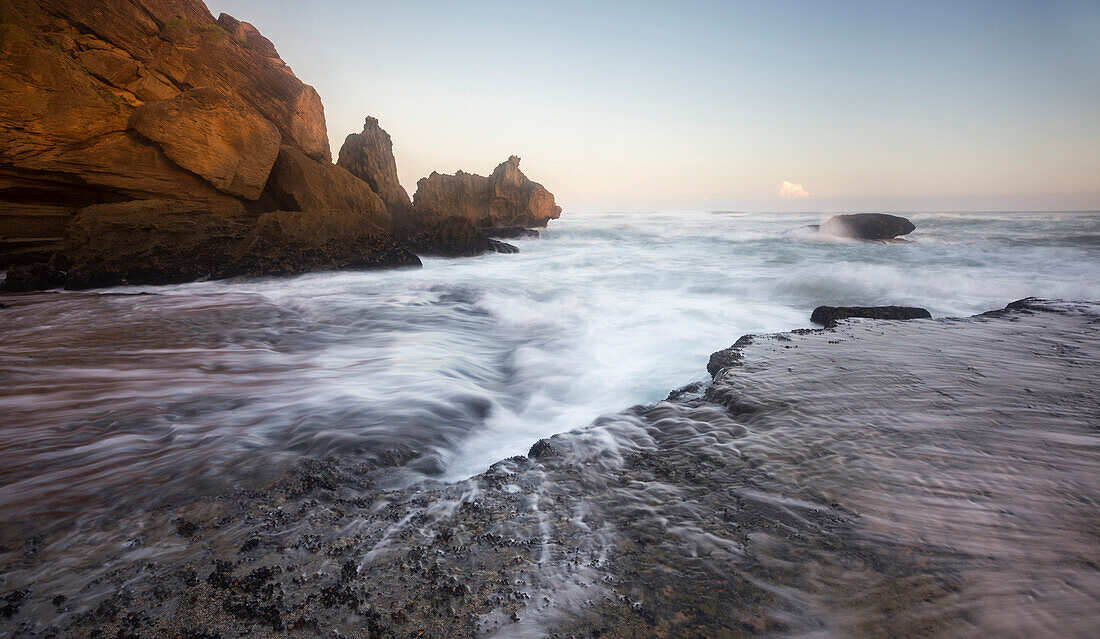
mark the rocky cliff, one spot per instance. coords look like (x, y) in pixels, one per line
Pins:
(505, 198)
(143, 141)
(121, 101)
(369, 156)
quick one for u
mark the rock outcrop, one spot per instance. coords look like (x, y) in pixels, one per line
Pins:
(143, 141)
(369, 156)
(512, 233)
(515, 200)
(505, 198)
(867, 226)
(457, 237)
(149, 242)
(829, 315)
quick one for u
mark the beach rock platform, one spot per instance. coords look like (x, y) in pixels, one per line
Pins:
(780, 498)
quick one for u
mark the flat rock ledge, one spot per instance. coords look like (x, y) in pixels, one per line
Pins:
(732, 512)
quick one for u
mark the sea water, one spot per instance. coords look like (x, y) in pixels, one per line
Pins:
(112, 400)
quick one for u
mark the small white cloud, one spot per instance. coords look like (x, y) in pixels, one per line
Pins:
(792, 191)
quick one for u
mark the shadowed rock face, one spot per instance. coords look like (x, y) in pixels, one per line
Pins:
(149, 242)
(457, 237)
(867, 226)
(505, 198)
(369, 157)
(830, 315)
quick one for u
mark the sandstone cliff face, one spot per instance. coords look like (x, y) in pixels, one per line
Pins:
(153, 101)
(143, 141)
(369, 157)
(505, 198)
(515, 200)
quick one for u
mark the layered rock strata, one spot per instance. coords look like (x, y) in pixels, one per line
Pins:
(191, 128)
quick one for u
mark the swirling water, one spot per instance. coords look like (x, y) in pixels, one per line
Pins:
(112, 399)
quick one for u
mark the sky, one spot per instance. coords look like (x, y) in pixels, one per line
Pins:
(763, 106)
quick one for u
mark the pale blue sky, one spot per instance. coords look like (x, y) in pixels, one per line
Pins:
(712, 105)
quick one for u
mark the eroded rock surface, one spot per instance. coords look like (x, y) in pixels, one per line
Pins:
(369, 156)
(153, 101)
(140, 104)
(778, 499)
(506, 198)
(214, 135)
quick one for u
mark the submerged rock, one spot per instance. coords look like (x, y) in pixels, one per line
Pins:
(829, 315)
(867, 226)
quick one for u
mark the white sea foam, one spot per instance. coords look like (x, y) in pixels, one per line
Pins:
(464, 361)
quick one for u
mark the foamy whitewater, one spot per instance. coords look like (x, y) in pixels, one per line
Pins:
(448, 368)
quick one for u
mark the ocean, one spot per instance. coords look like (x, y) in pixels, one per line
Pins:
(445, 369)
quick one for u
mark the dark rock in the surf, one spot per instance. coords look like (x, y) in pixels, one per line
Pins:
(32, 277)
(288, 242)
(829, 315)
(728, 357)
(456, 237)
(149, 242)
(723, 359)
(542, 449)
(502, 247)
(512, 233)
(867, 226)
(392, 257)
(684, 393)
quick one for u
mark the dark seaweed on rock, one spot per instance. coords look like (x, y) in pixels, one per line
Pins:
(457, 237)
(828, 316)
